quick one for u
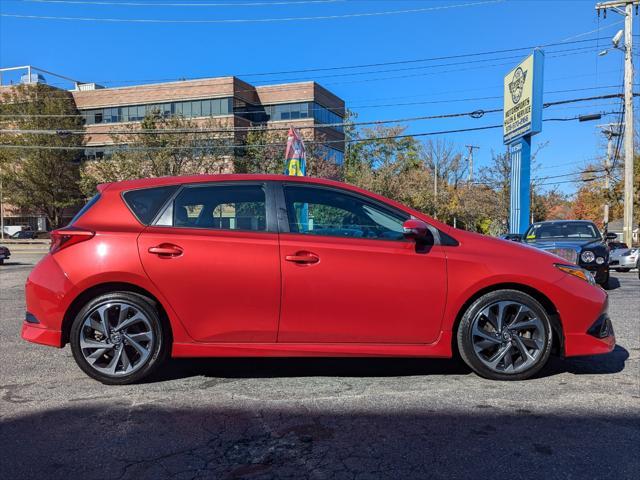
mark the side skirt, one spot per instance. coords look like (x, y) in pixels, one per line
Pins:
(440, 349)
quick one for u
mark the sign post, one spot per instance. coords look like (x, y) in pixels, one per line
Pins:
(522, 119)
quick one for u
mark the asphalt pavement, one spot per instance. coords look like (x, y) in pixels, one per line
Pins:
(318, 418)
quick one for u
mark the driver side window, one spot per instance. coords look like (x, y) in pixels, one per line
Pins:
(320, 211)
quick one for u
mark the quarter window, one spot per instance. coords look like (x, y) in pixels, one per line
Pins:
(219, 207)
(319, 211)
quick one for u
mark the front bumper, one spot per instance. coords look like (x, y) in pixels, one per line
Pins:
(597, 340)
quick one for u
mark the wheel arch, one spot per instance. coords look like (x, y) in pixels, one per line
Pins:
(544, 300)
(108, 287)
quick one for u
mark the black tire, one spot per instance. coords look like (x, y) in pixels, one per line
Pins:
(604, 283)
(543, 330)
(158, 348)
(623, 270)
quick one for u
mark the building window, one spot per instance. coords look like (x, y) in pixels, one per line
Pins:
(296, 111)
(135, 113)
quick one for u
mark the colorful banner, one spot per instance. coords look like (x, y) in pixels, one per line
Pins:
(295, 157)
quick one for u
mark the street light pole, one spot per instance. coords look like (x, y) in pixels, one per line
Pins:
(625, 8)
(628, 128)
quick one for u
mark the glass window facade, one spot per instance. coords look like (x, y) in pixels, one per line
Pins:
(332, 154)
(135, 113)
(296, 111)
(216, 107)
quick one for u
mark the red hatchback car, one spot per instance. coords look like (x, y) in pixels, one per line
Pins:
(260, 265)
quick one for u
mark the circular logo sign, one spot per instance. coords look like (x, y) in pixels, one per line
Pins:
(516, 86)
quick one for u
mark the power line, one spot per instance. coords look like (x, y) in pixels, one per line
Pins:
(546, 105)
(249, 20)
(208, 4)
(478, 112)
(372, 65)
(295, 86)
(473, 114)
(280, 144)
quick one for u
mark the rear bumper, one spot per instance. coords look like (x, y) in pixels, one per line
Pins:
(37, 334)
(624, 262)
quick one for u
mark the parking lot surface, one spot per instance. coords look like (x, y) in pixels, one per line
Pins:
(318, 418)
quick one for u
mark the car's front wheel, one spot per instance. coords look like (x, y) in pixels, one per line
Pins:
(505, 335)
(118, 338)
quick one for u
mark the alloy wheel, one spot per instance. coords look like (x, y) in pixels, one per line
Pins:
(116, 338)
(508, 337)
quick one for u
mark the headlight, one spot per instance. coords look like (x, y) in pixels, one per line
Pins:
(600, 260)
(578, 272)
(587, 256)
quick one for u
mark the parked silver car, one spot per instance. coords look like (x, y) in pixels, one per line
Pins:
(623, 258)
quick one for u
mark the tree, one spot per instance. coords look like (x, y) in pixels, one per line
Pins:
(264, 151)
(41, 180)
(168, 146)
(377, 160)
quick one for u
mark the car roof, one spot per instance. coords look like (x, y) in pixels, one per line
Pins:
(123, 186)
(187, 179)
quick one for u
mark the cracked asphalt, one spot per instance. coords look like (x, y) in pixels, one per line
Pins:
(317, 418)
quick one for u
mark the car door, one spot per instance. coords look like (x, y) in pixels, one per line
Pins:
(213, 253)
(349, 275)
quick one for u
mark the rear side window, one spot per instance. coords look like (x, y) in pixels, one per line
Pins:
(84, 209)
(145, 203)
(218, 207)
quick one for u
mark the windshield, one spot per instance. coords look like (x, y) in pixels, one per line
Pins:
(568, 230)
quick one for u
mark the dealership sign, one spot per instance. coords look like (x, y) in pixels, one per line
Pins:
(523, 98)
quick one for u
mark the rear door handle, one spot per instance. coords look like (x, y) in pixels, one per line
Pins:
(303, 257)
(166, 250)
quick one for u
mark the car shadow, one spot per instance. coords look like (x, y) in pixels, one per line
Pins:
(613, 283)
(612, 362)
(234, 439)
(232, 368)
(306, 367)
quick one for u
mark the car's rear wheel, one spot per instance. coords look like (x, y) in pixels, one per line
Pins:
(118, 338)
(505, 335)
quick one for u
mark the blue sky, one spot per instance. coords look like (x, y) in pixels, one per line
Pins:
(123, 53)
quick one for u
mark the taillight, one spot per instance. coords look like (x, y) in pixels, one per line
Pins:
(65, 237)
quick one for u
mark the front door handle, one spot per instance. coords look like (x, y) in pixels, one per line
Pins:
(166, 250)
(303, 258)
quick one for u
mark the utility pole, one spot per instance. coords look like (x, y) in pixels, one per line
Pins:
(435, 181)
(470, 160)
(611, 131)
(625, 8)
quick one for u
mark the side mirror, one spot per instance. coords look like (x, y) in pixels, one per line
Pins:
(415, 229)
(611, 236)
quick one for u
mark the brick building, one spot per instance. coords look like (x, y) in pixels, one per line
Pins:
(232, 102)
(227, 102)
